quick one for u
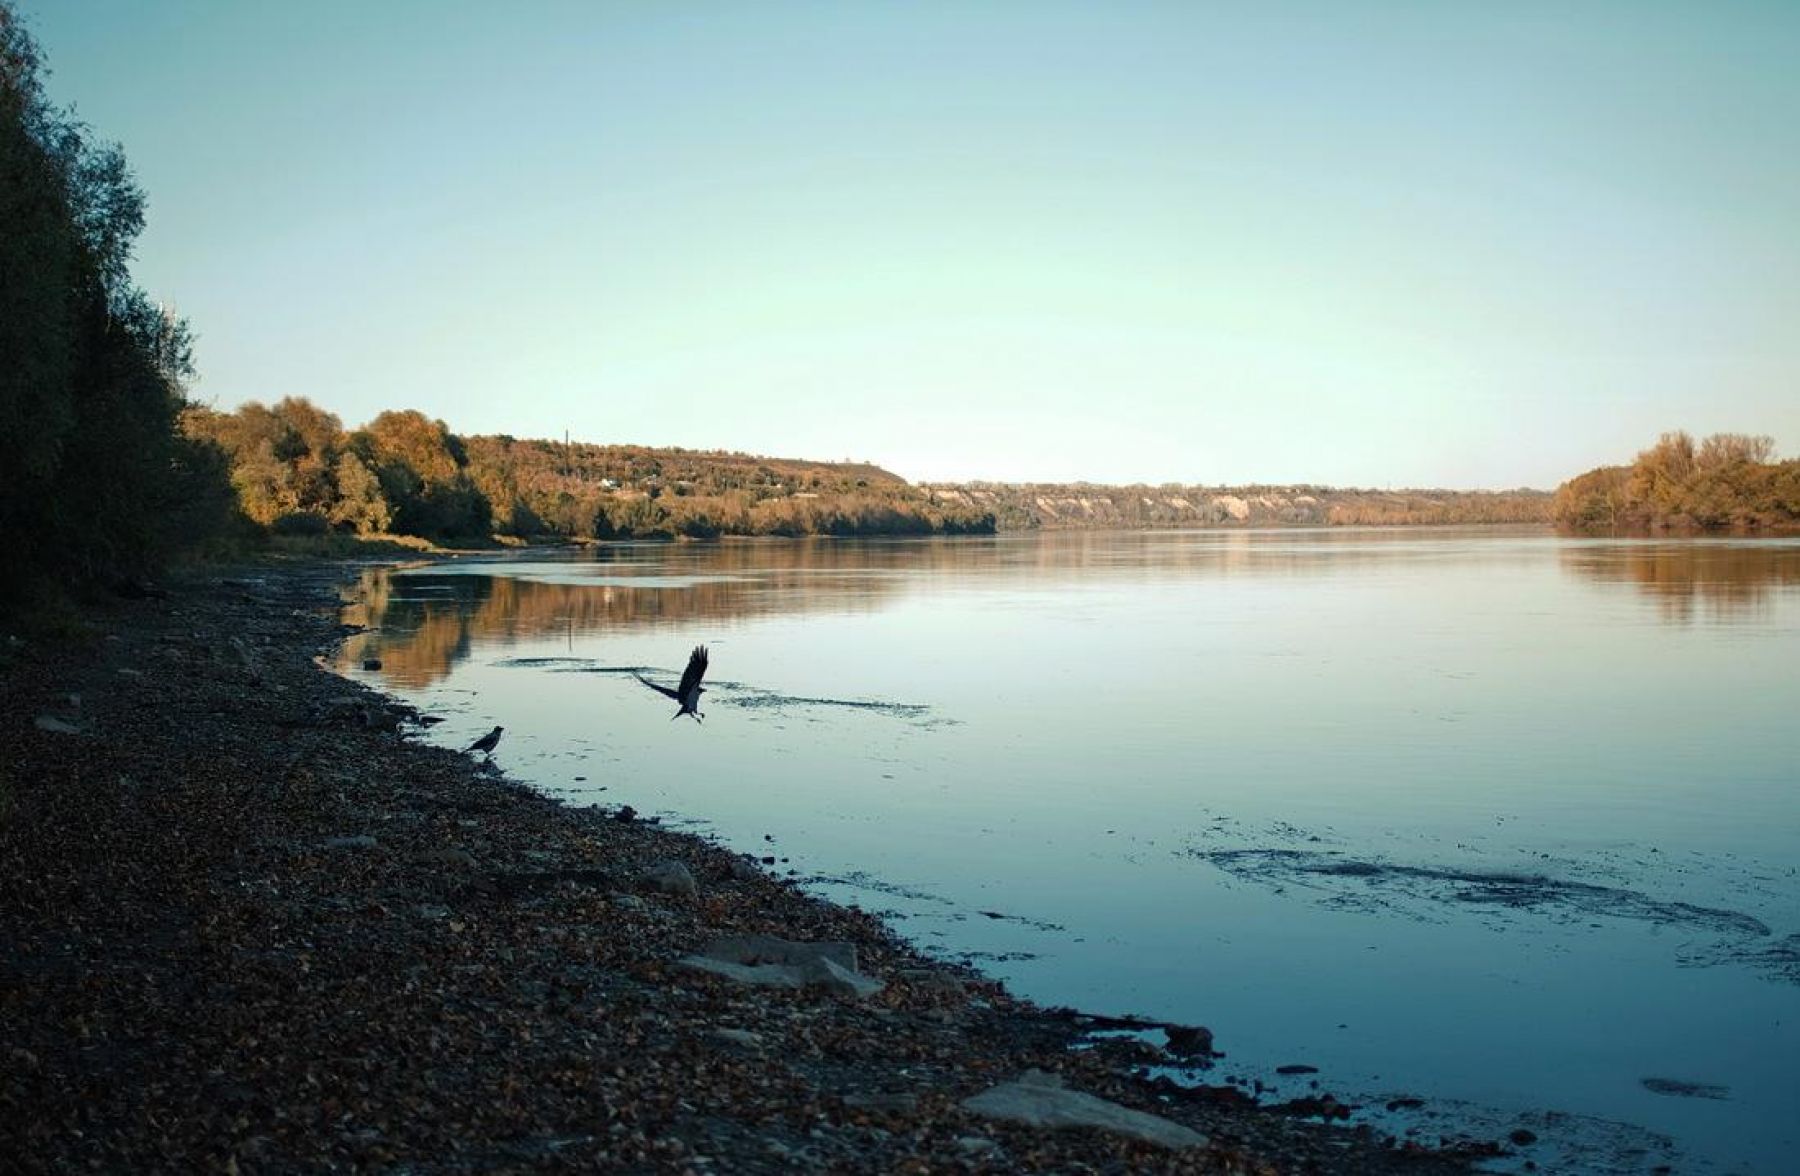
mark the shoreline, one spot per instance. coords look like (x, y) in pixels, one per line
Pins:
(248, 924)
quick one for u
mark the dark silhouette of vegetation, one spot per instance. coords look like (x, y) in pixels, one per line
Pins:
(1729, 481)
(97, 485)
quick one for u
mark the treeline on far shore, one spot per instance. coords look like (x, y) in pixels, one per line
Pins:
(1727, 482)
(297, 470)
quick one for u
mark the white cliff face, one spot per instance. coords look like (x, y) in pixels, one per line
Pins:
(1233, 506)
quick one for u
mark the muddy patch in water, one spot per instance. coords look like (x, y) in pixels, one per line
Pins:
(1677, 1088)
(1438, 894)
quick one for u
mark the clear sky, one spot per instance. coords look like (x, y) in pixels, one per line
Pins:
(1409, 243)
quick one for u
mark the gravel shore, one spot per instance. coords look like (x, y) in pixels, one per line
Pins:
(246, 924)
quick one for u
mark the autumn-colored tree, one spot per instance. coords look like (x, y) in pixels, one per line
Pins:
(1726, 449)
(421, 465)
(360, 504)
(1726, 481)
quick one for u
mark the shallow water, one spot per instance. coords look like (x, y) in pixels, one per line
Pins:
(1499, 820)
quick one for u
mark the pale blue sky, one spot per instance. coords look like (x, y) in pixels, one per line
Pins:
(1361, 244)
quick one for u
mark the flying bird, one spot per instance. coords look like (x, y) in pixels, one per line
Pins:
(486, 744)
(689, 692)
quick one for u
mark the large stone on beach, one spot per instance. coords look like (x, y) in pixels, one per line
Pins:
(768, 962)
(770, 949)
(671, 878)
(1039, 1100)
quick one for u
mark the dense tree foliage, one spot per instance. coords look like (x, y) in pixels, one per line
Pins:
(1728, 481)
(629, 491)
(96, 482)
(297, 470)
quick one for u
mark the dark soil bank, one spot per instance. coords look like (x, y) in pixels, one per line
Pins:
(247, 924)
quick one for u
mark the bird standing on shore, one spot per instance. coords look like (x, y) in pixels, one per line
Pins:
(486, 744)
(689, 692)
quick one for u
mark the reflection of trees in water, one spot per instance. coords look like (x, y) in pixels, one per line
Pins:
(427, 619)
(423, 622)
(1725, 582)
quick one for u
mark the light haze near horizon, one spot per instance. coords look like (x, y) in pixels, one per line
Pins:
(1353, 244)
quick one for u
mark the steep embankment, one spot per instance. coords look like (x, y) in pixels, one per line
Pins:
(1018, 506)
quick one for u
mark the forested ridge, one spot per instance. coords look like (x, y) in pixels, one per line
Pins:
(296, 469)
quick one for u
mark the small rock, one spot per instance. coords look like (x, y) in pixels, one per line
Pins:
(743, 870)
(883, 1103)
(432, 911)
(371, 663)
(741, 1037)
(1189, 1039)
(1296, 1069)
(930, 980)
(448, 856)
(671, 878)
(627, 902)
(1523, 1136)
(976, 1145)
(56, 726)
(359, 841)
(625, 813)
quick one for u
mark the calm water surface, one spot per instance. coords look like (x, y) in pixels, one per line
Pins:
(1503, 821)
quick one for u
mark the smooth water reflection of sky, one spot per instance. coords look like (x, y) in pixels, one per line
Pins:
(1142, 748)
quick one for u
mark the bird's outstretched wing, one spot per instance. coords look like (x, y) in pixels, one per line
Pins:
(658, 689)
(696, 670)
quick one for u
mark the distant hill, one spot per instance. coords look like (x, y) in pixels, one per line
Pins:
(565, 485)
(619, 491)
(1023, 506)
(295, 469)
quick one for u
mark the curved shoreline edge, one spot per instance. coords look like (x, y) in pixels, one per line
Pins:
(247, 924)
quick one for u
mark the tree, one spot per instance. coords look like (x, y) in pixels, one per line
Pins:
(1723, 449)
(92, 466)
(360, 504)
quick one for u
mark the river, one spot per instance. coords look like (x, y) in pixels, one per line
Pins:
(1500, 821)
